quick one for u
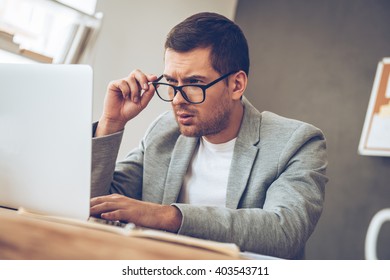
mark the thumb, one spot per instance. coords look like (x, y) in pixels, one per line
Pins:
(147, 96)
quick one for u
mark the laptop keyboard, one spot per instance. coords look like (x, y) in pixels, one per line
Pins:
(110, 223)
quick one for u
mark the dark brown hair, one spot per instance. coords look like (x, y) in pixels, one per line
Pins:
(229, 48)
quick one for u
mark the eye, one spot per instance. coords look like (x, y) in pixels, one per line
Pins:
(193, 81)
(171, 81)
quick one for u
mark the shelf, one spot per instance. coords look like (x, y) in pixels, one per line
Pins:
(8, 57)
(11, 50)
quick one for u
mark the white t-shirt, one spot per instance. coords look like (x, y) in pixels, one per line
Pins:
(207, 176)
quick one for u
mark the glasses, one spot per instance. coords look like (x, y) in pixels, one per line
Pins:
(194, 94)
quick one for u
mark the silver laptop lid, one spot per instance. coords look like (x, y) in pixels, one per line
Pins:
(45, 138)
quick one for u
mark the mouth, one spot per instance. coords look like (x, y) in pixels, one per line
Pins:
(185, 118)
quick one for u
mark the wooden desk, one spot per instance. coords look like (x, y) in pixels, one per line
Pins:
(25, 238)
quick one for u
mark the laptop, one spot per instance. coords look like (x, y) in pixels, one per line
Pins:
(45, 138)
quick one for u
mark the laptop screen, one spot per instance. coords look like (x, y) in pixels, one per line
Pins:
(45, 138)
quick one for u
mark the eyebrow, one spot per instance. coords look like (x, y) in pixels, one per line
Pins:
(187, 79)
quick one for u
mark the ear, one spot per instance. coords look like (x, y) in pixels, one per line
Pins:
(238, 83)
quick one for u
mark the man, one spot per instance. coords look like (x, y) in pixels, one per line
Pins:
(213, 168)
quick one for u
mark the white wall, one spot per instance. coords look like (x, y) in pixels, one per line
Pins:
(133, 36)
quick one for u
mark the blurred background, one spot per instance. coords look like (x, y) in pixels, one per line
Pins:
(312, 60)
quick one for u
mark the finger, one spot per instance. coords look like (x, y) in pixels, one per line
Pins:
(117, 215)
(148, 92)
(103, 207)
(142, 79)
(147, 96)
(151, 78)
(96, 200)
(120, 87)
(105, 198)
(124, 88)
(135, 89)
(138, 82)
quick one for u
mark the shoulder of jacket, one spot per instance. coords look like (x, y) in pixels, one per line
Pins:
(275, 127)
(163, 126)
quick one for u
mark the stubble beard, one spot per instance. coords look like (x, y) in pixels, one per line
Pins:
(217, 122)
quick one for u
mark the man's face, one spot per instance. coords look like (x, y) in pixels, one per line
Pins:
(194, 67)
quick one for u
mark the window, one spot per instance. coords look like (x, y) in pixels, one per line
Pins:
(62, 31)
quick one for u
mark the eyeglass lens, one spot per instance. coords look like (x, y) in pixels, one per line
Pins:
(192, 93)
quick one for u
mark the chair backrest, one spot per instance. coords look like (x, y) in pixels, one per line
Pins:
(373, 231)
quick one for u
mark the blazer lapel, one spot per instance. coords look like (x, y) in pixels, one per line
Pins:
(245, 153)
(181, 156)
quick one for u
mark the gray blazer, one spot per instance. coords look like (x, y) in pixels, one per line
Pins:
(275, 189)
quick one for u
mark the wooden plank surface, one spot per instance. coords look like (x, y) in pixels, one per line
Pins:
(24, 238)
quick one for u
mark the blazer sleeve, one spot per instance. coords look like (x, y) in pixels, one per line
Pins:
(125, 176)
(108, 176)
(291, 209)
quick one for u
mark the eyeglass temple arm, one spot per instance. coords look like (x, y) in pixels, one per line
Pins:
(158, 79)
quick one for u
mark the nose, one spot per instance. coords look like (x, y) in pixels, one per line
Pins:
(178, 98)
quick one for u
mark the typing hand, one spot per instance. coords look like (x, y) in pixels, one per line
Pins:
(124, 100)
(146, 214)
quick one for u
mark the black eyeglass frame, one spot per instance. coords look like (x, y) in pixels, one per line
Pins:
(180, 88)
